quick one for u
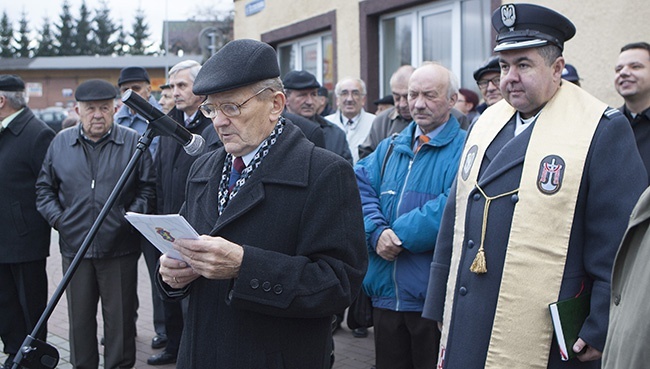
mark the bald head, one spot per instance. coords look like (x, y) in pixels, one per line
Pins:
(432, 92)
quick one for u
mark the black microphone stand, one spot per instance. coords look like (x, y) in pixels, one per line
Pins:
(37, 354)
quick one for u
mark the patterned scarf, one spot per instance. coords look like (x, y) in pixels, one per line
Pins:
(224, 195)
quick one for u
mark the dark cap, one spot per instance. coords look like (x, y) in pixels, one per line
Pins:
(95, 90)
(491, 65)
(11, 82)
(388, 99)
(300, 80)
(570, 73)
(322, 91)
(133, 74)
(165, 86)
(522, 26)
(239, 63)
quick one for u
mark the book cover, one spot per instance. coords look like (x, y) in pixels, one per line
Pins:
(163, 230)
(568, 316)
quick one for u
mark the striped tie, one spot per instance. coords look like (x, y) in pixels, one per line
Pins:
(237, 169)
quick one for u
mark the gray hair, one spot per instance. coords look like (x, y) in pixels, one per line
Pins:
(192, 65)
(274, 84)
(15, 99)
(337, 88)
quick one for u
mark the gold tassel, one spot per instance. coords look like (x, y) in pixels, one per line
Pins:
(479, 266)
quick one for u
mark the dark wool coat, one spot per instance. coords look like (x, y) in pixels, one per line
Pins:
(299, 219)
(613, 179)
(172, 164)
(25, 233)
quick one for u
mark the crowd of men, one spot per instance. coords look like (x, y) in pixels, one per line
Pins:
(458, 217)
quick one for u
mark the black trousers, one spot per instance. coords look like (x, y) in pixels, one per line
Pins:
(23, 297)
(405, 340)
(151, 256)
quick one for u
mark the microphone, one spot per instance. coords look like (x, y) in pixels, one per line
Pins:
(192, 143)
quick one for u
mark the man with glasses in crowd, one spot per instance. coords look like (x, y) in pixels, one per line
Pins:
(487, 78)
(350, 116)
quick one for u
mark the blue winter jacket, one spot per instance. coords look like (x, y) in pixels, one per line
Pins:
(409, 199)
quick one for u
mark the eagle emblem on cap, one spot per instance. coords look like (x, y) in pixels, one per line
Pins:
(551, 174)
(508, 16)
(165, 234)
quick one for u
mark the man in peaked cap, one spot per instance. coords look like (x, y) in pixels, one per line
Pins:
(25, 241)
(80, 170)
(547, 180)
(487, 78)
(570, 73)
(264, 278)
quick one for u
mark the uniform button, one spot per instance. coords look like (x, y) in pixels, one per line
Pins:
(266, 286)
(277, 289)
(617, 300)
(470, 244)
(477, 196)
(462, 291)
(255, 284)
(514, 198)
(230, 295)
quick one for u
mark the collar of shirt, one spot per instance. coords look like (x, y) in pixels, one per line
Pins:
(431, 135)
(522, 124)
(249, 157)
(355, 121)
(9, 119)
(190, 117)
(82, 134)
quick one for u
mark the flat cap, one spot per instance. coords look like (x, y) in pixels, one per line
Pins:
(95, 90)
(388, 99)
(300, 80)
(491, 65)
(165, 86)
(322, 91)
(522, 26)
(133, 74)
(239, 63)
(11, 82)
(570, 73)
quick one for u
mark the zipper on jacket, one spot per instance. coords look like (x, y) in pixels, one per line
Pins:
(399, 203)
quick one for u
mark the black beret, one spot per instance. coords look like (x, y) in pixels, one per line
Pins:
(300, 80)
(95, 90)
(11, 82)
(239, 63)
(491, 65)
(521, 26)
(322, 91)
(133, 74)
(570, 73)
(388, 99)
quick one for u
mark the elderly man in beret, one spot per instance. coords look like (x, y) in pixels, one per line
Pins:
(282, 244)
(25, 241)
(301, 89)
(80, 170)
(547, 180)
(487, 78)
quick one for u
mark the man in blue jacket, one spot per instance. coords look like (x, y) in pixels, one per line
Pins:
(404, 186)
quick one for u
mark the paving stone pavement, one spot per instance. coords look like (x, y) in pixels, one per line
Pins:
(350, 352)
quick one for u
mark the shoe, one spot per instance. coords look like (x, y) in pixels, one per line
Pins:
(360, 332)
(162, 358)
(159, 341)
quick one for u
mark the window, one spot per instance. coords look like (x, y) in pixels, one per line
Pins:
(454, 33)
(313, 54)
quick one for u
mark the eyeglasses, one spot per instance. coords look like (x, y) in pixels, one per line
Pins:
(483, 84)
(228, 109)
(354, 93)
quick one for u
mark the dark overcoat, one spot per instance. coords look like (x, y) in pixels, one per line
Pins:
(25, 233)
(299, 220)
(613, 179)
